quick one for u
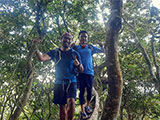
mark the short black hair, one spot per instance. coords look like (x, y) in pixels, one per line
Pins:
(82, 31)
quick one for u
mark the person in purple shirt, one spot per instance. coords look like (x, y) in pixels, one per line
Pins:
(66, 61)
(86, 78)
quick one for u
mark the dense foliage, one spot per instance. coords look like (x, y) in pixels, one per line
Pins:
(24, 20)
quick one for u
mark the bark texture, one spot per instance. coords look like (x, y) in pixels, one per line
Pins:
(113, 101)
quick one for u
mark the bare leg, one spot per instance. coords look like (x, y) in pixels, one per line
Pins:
(71, 108)
(88, 102)
(88, 109)
(63, 112)
(83, 112)
(82, 108)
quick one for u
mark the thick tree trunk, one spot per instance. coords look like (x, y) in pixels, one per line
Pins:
(22, 102)
(113, 101)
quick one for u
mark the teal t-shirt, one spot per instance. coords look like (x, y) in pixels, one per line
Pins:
(86, 57)
(65, 68)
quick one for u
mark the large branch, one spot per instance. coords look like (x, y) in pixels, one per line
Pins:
(94, 115)
(154, 57)
(59, 28)
(27, 90)
(113, 101)
(63, 17)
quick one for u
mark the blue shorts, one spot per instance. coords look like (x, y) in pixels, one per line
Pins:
(63, 92)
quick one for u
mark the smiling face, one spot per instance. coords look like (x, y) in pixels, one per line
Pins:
(66, 41)
(83, 38)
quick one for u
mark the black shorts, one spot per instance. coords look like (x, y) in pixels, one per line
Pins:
(61, 93)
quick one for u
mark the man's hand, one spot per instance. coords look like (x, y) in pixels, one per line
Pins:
(100, 44)
(36, 41)
(78, 65)
(76, 62)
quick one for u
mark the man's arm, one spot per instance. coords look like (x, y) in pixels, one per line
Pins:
(41, 56)
(97, 50)
(101, 46)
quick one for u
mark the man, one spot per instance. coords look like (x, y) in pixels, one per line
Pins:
(66, 61)
(86, 78)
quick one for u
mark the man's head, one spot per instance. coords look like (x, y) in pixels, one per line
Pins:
(83, 37)
(66, 39)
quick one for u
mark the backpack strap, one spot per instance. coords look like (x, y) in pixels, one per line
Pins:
(58, 54)
(75, 47)
(91, 47)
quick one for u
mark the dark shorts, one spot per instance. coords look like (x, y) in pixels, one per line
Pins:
(61, 93)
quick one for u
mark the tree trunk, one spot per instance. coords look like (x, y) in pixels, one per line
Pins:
(27, 90)
(113, 101)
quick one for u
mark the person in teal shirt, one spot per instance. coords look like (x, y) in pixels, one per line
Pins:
(66, 61)
(86, 78)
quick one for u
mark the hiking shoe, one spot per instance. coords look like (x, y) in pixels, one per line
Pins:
(84, 116)
(88, 110)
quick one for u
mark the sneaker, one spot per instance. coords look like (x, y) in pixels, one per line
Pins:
(84, 116)
(88, 110)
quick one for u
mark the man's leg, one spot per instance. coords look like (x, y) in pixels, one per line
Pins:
(81, 95)
(81, 98)
(88, 102)
(88, 110)
(90, 80)
(82, 86)
(83, 113)
(60, 98)
(71, 96)
(71, 108)
(63, 112)
(82, 108)
(89, 95)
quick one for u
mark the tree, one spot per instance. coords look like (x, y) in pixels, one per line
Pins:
(113, 101)
(22, 21)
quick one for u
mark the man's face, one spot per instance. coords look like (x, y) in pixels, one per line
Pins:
(83, 38)
(66, 41)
